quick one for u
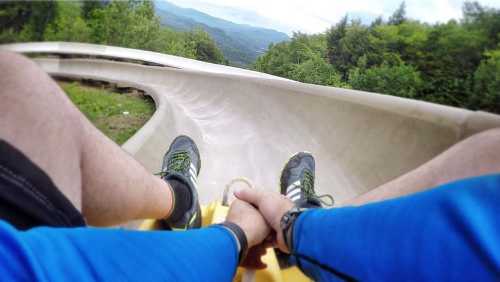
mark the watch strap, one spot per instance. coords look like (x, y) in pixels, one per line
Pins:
(286, 224)
(240, 236)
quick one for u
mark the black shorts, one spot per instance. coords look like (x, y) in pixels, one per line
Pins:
(28, 197)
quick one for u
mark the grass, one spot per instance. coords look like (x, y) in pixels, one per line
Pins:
(118, 116)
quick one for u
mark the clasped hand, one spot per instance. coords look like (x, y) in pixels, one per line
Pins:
(259, 213)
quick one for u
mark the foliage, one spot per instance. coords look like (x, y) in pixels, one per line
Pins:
(89, 6)
(399, 16)
(131, 24)
(128, 24)
(302, 59)
(401, 80)
(334, 45)
(68, 25)
(486, 91)
(451, 54)
(204, 46)
(316, 71)
(453, 63)
(25, 21)
(484, 20)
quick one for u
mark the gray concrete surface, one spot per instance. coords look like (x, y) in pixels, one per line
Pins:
(249, 124)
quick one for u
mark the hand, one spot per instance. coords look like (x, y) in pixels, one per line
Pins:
(272, 206)
(250, 221)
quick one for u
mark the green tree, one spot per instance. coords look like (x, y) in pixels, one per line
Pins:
(89, 6)
(485, 20)
(145, 28)
(451, 55)
(111, 25)
(282, 58)
(377, 22)
(176, 43)
(346, 44)
(407, 40)
(304, 59)
(25, 21)
(276, 61)
(399, 16)
(131, 23)
(205, 47)
(68, 25)
(334, 37)
(486, 91)
(401, 80)
(317, 71)
(441, 63)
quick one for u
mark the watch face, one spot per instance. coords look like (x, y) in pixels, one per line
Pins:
(285, 220)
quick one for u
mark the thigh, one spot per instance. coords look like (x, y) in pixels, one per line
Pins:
(28, 197)
(41, 122)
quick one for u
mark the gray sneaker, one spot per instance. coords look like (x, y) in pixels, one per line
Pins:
(297, 182)
(181, 164)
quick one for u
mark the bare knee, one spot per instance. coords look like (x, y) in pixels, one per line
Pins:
(14, 68)
(39, 120)
(29, 90)
(32, 101)
(483, 149)
(7, 56)
(9, 59)
(22, 78)
(489, 138)
(493, 133)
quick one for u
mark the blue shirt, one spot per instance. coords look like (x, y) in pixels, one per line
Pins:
(93, 254)
(451, 233)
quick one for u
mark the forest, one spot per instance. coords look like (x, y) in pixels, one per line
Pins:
(456, 63)
(131, 24)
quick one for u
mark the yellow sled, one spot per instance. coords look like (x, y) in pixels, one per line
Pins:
(216, 212)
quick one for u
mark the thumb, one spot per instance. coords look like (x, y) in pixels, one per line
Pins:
(248, 195)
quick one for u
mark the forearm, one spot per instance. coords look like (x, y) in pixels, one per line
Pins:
(474, 156)
(116, 255)
(449, 233)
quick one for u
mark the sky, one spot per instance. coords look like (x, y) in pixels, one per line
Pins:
(313, 16)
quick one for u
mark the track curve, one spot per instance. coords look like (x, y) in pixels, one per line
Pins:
(248, 124)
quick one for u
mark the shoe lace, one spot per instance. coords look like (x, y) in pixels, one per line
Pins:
(178, 162)
(308, 188)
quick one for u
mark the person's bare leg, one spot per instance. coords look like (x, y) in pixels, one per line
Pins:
(96, 175)
(474, 156)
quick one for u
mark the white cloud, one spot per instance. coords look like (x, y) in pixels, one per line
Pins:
(314, 16)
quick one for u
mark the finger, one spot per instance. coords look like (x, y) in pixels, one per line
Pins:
(248, 195)
(254, 264)
(268, 244)
(275, 245)
(244, 204)
(253, 259)
(269, 241)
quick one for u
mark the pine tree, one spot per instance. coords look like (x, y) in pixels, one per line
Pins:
(399, 16)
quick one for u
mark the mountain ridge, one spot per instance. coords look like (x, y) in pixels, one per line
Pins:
(240, 43)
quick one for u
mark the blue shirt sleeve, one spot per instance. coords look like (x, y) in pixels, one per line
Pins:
(451, 233)
(93, 254)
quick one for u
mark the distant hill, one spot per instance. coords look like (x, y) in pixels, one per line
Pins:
(241, 44)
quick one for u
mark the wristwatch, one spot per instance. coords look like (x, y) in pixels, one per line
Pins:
(286, 225)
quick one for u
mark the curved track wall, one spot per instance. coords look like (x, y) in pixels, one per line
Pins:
(248, 124)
